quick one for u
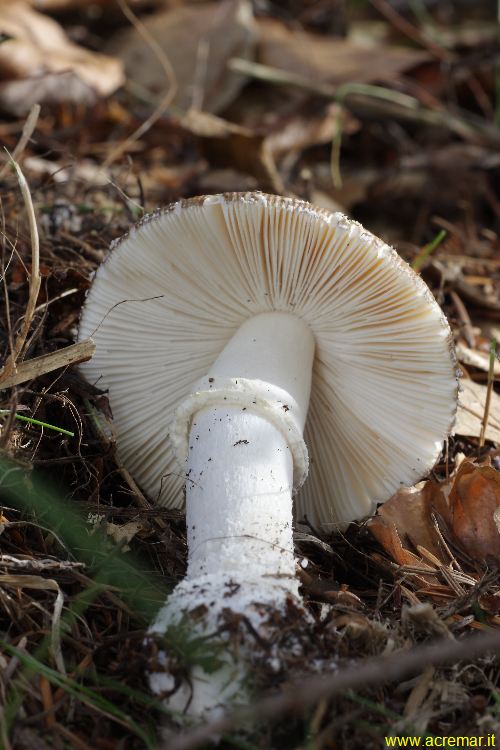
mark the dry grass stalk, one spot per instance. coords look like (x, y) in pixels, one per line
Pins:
(43, 584)
(27, 132)
(35, 278)
(37, 366)
(487, 403)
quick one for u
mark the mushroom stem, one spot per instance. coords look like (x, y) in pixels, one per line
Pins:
(246, 454)
(239, 500)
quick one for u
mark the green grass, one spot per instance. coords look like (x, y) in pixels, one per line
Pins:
(32, 420)
(109, 569)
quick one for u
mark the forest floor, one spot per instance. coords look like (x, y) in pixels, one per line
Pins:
(386, 111)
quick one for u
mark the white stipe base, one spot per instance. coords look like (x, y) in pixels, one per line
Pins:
(245, 454)
(240, 550)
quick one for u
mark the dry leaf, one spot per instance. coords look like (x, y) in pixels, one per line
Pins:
(476, 358)
(198, 40)
(123, 534)
(409, 512)
(330, 60)
(471, 400)
(303, 131)
(406, 520)
(83, 170)
(324, 200)
(469, 507)
(228, 144)
(474, 503)
(386, 533)
(226, 181)
(38, 63)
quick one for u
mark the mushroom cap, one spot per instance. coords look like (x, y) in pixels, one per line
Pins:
(177, 287)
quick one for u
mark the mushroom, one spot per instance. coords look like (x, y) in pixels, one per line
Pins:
(247, 341)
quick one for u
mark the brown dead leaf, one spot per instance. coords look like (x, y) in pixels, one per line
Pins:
(330, 60)
(474, 503)
(229, 145)
(38, 63)
(471, 401)
(226, 181)
(406, 519)
(303, 131)
(250, 150)
(386, 533)
(468, 507)
(198, 40)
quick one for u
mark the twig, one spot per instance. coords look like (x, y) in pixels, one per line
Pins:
(92, 252)
(37, 366)
(35, 278)
(375, 671)
(489, 389)
(464, 316)
(27, 132)
(411, 31)
(43, 564)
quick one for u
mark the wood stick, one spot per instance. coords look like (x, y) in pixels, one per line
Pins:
(375, 671)
(37, 366)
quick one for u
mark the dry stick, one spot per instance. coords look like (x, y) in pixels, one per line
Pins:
(464, 316)
(489, 389)
(410, 30)
(27, 132)
(375, 671)
(37, 366)
(169, 75)
(35, 278)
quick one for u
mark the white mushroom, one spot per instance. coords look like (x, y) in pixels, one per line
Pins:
(216, 320)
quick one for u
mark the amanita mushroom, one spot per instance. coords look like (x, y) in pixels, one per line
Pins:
(234, 330)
